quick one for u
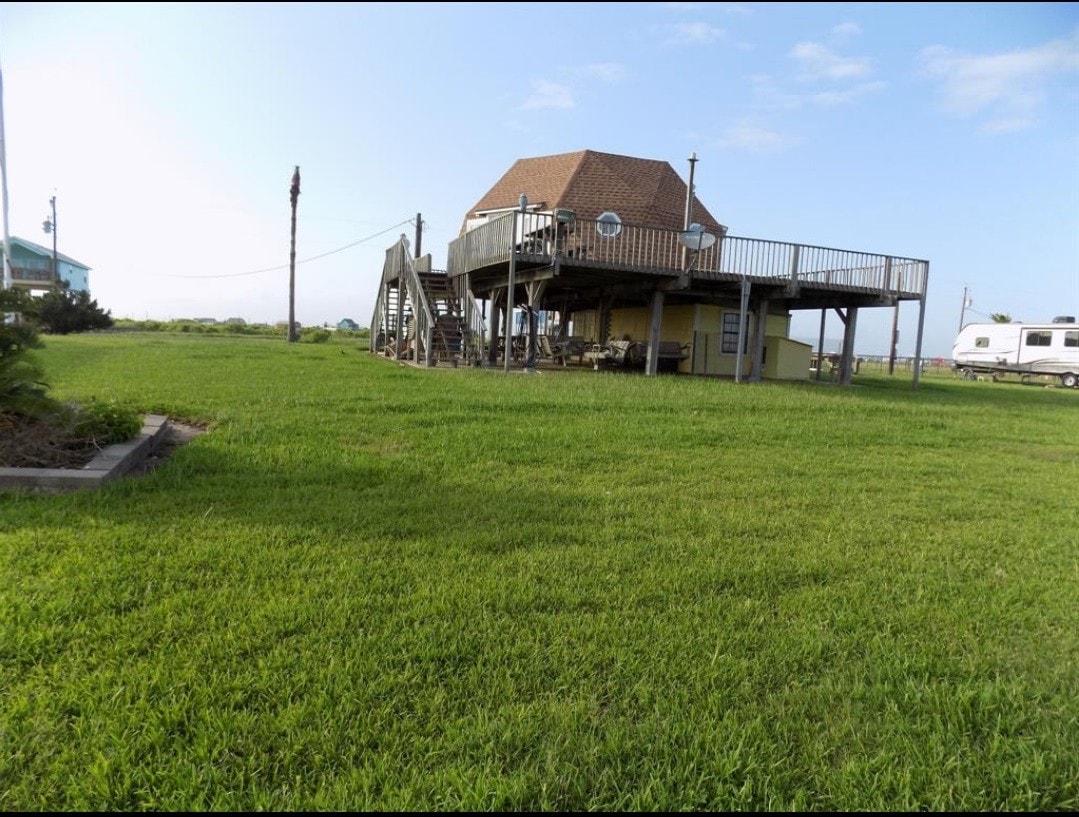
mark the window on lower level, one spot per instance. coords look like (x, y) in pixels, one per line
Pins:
(1039, 338)
(729, 340)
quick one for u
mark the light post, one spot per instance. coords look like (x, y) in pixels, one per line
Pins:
(49, 226)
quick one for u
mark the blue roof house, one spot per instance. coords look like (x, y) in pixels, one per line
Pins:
(32, 268)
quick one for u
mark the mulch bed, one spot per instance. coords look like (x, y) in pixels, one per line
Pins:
(29, 443)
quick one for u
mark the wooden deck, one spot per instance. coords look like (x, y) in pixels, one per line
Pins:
(539, 262)
(577, 256)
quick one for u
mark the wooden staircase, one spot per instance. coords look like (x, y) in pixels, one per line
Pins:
(449, 336)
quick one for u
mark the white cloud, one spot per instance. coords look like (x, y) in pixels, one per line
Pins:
(1006, 125)
(1010, 86)
(693, 33)
(831, 98)
(756, 138)
(819, 62)
(845, 30)
(606, 71)
(546, 94)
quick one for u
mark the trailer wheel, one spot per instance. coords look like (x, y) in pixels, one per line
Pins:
(1069, 380)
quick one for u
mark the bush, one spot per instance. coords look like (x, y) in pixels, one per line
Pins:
(104, 423)
(311, 335)
(22, 385)
(63, 311)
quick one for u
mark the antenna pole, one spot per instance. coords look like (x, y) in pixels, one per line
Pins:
(689, 205)
(963, 311)
(419, 233)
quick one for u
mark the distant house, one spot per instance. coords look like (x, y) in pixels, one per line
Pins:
(236, 321)
(32, 268)
(348, 324)
(206, 321)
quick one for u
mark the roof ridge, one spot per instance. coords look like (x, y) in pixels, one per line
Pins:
(30, 245)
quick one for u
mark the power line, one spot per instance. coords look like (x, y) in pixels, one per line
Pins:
(304, 261)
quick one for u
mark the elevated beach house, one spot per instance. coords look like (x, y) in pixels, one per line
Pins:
(618, 261)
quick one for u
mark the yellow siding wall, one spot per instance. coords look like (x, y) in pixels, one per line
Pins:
(786, 359)
(700, 326)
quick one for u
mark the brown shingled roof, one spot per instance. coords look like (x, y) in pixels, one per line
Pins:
(646, 192)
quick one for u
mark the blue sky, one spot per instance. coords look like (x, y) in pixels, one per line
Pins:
(168, 134)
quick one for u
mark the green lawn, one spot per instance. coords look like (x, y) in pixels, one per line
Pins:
(374, 587)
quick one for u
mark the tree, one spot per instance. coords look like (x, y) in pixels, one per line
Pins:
(63, 311)
(22, 387)
(1000, 317)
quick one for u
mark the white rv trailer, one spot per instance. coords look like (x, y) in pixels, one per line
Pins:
(1025, 349)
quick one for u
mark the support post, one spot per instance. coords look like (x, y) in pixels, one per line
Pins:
(921, 327)
(895, 339)
(511, 285)
(492, 350)
(846, 365)
(654, 325)
(757, 367)
(820, 343)
(741, 330)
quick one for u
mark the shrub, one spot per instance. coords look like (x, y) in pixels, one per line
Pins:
(22, 385)
(103, 423)
(310, 334)
(63, 311)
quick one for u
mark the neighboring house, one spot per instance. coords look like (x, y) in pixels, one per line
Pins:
(348, 324)
(32, 267)
(598, 241)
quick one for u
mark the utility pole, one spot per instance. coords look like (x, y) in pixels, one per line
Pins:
(419, 234)
(8, 276)
(294, 194)
(50, 227)
(966, 302)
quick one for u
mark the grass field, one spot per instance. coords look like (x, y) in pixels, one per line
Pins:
(373, 587)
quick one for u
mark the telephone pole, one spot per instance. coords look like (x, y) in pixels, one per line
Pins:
(50, 227)
(967, 301)
(294, 194)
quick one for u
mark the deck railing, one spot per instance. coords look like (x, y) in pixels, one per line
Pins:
(540, 237)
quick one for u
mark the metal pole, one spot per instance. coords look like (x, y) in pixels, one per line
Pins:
(419, 233)
(511, 284)
(820, 343)
(55, 267)
(921, 327)
(9, 280)
(895, 339)
(963, 311)
(294, 194)
(689, 204)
